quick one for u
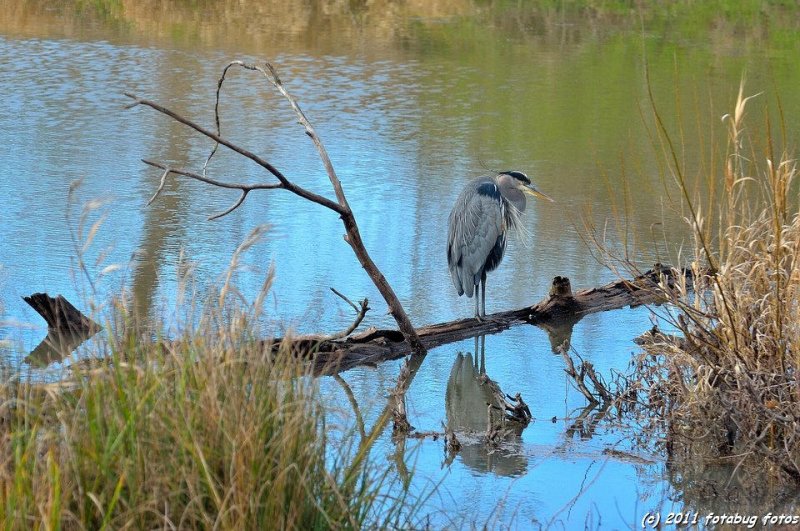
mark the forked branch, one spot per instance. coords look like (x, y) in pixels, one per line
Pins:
(244, 188)
(287, 184)
(340, 206)
(360, 313)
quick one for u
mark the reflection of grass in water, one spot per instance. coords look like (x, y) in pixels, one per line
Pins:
(199, 432)
(418, 24)
(747, 10)
(103, 9)
(109, 13)
(2, 282)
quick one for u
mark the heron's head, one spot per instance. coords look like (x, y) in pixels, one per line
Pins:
(521, 181)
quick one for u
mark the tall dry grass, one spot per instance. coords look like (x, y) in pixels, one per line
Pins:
(203, 431)
(728, 385)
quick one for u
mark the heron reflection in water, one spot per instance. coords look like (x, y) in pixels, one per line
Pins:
(469, 391)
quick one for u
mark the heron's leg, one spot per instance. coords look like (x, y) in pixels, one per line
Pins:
(483, 296)
(475, 361)
(477, 304)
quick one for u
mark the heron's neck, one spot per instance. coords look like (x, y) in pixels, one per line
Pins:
(510, 191)
(513, 197)
(516, 198)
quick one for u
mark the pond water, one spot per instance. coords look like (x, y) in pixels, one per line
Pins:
(411, 101)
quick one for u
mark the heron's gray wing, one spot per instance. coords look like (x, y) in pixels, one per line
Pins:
(476, 223)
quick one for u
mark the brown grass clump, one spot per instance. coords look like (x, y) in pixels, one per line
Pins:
(729, 386)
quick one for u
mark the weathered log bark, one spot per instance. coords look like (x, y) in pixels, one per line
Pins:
(556, 314)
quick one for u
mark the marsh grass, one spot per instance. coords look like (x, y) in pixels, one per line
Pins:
(726, 387)
(203, 430)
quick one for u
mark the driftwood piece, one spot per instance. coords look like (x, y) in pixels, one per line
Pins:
(67, 328)
(557, 314)
(60, 314)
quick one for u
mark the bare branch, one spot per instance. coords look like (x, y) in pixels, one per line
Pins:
(287, 184)
(233, 207)
(323, 154)
(207, 180)
(360, 317)
(353, 236)
(216, 111)
(343, 297)
(245, 188)
(272, 76)
(361, 312)
(160, 185)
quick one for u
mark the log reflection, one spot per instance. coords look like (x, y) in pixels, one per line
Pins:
(55, 347)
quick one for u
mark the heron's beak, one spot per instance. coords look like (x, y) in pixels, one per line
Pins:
(530, 190)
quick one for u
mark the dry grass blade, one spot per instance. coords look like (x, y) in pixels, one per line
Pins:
(729, 385)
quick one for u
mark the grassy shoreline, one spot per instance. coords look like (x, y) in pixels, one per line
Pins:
(210, 433)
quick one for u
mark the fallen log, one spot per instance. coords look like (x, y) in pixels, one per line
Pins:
(60, 315)
(556, 314)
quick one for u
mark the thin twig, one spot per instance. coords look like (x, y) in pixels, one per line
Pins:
(216, 115)
(343, 297)
(245, 188)
(361, 312)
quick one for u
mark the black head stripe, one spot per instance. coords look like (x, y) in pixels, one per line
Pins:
(517, 175)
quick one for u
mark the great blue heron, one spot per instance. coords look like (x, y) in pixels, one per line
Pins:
(476, 238)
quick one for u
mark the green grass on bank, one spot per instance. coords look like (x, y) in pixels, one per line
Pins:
(203, 432)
